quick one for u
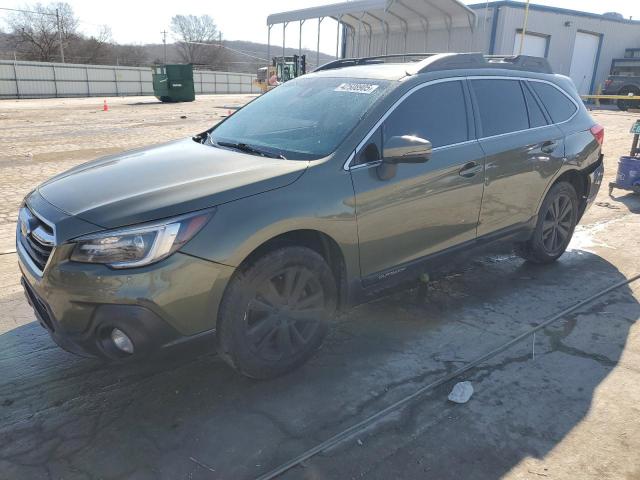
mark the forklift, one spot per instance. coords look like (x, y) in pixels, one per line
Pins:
(284, 68)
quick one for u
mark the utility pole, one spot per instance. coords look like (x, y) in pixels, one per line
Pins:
(57, 15)
(60, 35)
(164, 41)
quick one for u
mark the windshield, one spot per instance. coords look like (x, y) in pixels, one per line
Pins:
(306, 118)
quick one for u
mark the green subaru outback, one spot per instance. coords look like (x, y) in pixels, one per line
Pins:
(337, 184)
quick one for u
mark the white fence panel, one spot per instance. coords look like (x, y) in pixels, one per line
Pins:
(35, 72)
(101, 74)
(34, 88)
(69, 73)
(101, 89)
(6, 71)
(8, 88)
(22, 79)
(128, 75)
(72, 89)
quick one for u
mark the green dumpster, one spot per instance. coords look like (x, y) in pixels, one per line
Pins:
(173, 83)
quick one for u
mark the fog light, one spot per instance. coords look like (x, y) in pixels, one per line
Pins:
(121, 341)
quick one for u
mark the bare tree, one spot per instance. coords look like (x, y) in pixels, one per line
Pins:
(36, 31)
(92, 49)
(134, 55)
(194, 33)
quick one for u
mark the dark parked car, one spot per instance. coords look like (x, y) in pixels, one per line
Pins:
(332, 186)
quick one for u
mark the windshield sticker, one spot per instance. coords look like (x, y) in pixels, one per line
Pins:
(366, 88)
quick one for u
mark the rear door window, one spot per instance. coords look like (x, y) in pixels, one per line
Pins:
(502, 106)
(536, 116)
(436, 113)
(560, 108)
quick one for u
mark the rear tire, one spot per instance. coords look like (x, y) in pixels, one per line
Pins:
(557, 220)
(625, 105)
(275, 313)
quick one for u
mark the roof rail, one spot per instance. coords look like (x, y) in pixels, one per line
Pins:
(350, 62)
(521, 62)
(454, 61)
(432, 62)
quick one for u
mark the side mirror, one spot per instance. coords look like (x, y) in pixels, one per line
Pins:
(406, 149)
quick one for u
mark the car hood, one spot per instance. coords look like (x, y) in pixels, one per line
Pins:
(163, 181)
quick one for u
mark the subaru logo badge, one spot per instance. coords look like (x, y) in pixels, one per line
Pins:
(24, 227)
(25, 220)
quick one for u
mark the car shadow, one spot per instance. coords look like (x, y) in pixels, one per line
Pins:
(187, 415)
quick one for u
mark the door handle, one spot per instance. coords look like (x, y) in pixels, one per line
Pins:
(548, 146)
(470, 170)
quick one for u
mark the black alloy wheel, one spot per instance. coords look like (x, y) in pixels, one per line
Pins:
(286, 311)
(557, 219)
(276, 311)
(557, 224)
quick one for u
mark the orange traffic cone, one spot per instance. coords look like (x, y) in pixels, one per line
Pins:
(105, 107)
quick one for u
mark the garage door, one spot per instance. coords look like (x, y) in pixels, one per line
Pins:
(535, 45)
(583, 61)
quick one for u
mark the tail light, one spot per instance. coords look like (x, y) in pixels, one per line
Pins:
(608, 82)
(598, 133)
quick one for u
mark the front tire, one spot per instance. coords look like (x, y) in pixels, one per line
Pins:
(557, 220)
(275, 313)
(625, 105)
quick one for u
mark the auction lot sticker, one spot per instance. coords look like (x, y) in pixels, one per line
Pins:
(366, 88)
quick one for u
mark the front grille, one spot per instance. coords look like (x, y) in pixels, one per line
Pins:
(36, 237)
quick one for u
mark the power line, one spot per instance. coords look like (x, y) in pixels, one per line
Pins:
(28, 11)
(59, 25)
(224, 46)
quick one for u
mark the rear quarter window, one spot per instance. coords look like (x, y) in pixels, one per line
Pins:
(502, 106)
(560, 108)
(536, 117)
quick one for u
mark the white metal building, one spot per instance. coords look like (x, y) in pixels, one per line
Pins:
(376, 27)
(578, 44)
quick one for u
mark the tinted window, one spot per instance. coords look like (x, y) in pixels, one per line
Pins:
(502, 107)
(536, 117)
(560, 108)
(436, 113)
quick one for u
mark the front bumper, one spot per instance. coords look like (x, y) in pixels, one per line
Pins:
(158, 306)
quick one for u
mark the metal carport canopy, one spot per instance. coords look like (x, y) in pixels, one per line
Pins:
(386, 15)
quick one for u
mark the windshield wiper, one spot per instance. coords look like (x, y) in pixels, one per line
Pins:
(243, 147)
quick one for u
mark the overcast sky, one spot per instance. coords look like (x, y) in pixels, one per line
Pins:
(141, 21)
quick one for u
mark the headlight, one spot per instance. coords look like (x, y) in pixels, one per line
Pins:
(141, 245)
